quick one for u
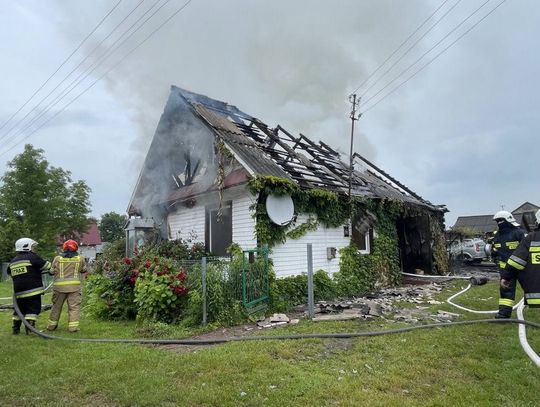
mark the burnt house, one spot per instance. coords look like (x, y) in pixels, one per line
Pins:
(194, 184)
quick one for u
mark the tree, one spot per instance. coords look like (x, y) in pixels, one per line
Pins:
(111, 226)
(40, 202)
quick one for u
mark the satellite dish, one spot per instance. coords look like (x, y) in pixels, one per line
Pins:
(280, 209)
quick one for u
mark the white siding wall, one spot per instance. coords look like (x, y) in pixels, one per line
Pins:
(184, 222)
(290, 258)
(243, 222)
(187, 223)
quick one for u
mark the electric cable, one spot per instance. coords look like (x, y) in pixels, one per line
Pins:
(73, 70)
(61, 65)
(87, 71)
(409, 49)
(427, 52)
(433, 59)
(101, 77)
(400, 46)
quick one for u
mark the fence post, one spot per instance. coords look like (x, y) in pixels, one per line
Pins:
(203, 277)
(311, 301)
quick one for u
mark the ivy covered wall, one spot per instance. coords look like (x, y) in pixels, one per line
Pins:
(358, 272)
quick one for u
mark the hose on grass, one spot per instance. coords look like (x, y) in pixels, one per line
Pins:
(260, 338)
(522, 334)
(9, 298)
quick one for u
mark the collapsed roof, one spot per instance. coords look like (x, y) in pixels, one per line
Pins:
(266, 151)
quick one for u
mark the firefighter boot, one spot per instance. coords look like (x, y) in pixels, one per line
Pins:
(504, 313)
(16, 329)
(31, 322)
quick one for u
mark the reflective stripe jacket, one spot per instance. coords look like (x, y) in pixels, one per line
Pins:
(505, 242)
(26, 269)
(525, 264)
(67, 272)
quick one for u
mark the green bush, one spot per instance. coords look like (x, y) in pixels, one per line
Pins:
(109, 295)
(287, 292)
(160, 290)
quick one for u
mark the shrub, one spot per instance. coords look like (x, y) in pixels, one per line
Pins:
(109, 294)
(287, 292)
(160, 289)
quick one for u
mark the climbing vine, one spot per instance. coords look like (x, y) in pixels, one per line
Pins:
(440, 255)
(358, 273)
(330, 209)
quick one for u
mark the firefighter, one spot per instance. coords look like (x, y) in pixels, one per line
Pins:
(524, 264)
(26, 271)
(67, 269)
(506, 239)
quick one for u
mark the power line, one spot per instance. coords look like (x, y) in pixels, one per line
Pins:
(108, 52)
(409, 49)
(434, 58)
(428, 51)
(399, 47)
(61, 65)
(73, 70)
(102, 76)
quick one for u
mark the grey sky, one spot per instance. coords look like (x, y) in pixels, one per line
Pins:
(463, 132)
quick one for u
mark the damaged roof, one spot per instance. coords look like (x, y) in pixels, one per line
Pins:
(276, 152)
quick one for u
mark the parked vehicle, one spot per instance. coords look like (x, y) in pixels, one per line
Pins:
(470, 250)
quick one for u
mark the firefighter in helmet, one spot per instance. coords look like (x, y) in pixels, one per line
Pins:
(26, 270)
(524, 264)
(67, 269)
(506, 239)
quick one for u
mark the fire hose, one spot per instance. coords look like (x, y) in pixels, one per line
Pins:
(44, 291)
(518, 307)
(276, 337)
(521, 321)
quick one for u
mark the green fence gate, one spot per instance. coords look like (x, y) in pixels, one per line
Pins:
(255, 279)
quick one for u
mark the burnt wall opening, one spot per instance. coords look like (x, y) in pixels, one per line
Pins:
(415, 244)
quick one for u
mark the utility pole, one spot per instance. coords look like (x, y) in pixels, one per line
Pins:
(354, 117)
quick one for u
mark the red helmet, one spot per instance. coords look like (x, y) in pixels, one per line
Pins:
(71, 246)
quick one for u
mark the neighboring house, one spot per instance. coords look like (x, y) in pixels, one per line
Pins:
(90, 242)
(194, 184)
(484, 224)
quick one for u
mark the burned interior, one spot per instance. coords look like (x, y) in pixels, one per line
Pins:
(193, 124)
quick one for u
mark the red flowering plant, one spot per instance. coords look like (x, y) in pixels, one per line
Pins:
(109, 289)
(160, 289)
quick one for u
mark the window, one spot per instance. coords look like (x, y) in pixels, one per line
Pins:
(218, 229)
(362, 236)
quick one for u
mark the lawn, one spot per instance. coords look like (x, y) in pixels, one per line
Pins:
(476, 365)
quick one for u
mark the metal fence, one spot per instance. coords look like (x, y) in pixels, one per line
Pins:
(224, 283)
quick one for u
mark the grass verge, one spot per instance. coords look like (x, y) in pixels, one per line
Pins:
(480, 365)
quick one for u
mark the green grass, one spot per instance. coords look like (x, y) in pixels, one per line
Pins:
(477, 365)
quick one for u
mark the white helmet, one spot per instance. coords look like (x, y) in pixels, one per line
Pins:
(507, 216)
(25, 244)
